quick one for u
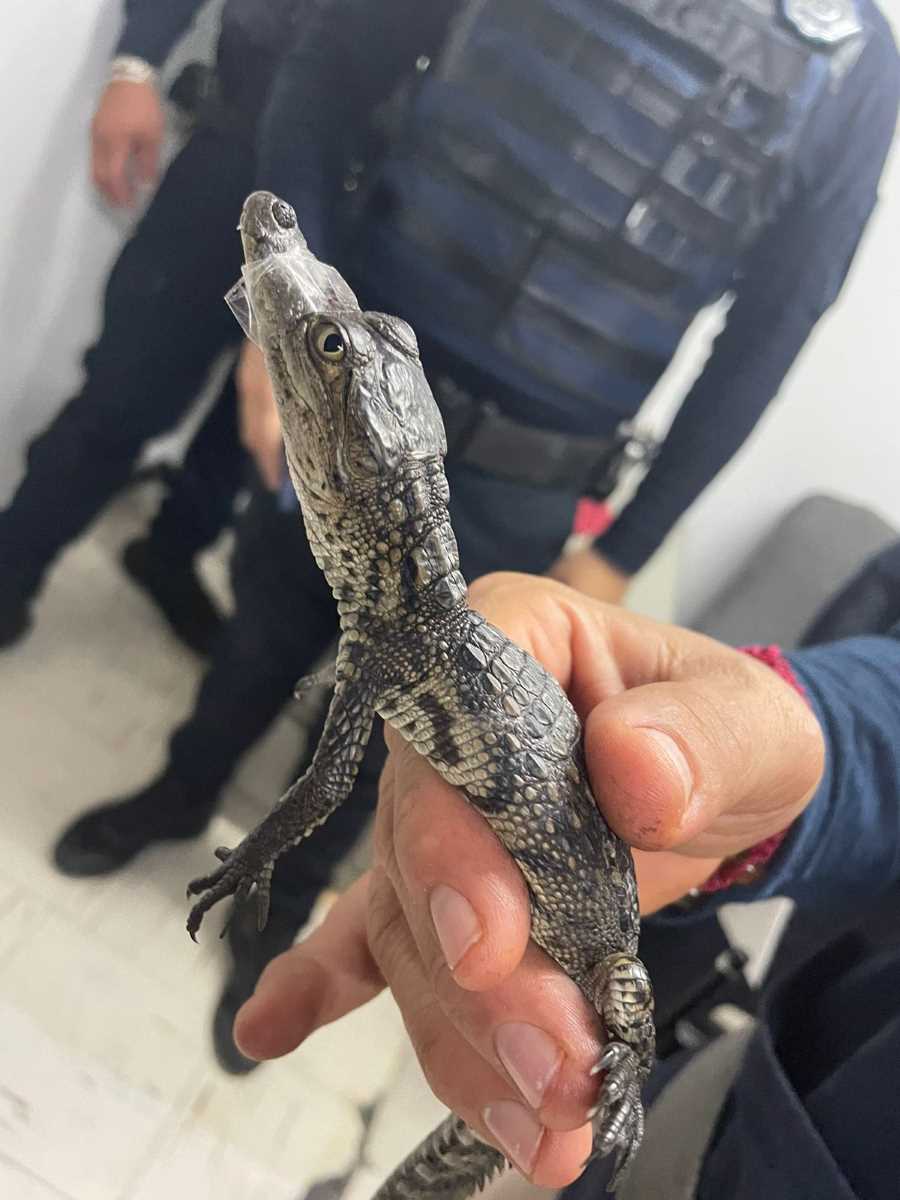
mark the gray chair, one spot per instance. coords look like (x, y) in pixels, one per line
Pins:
(810, 552)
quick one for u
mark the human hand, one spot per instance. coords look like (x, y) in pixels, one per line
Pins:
(126, 139)
(694, 751)
(588, 572)
(260, 428)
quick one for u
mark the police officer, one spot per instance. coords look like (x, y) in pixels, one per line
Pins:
(549, 190)
(163, 324)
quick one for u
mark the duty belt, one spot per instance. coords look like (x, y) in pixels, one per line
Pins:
(480, 435)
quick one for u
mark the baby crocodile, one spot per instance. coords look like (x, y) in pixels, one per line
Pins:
(365, 445)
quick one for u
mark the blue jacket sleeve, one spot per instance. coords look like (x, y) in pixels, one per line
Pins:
(792, 276)
(350, 57)
(152, 27)
(844, 850)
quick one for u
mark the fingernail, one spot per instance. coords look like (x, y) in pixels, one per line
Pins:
(531, 1057)
(672, 752)
(517, 1131)
(237, 1036)
(455, 923)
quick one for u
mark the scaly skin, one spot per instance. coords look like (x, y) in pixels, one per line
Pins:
(365, 443)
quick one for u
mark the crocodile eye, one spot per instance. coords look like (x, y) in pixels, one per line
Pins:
(329, 342)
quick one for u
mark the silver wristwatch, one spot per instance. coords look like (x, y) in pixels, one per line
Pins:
(128, 68)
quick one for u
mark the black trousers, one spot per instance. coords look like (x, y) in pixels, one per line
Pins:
(164, 323)
(286, 618)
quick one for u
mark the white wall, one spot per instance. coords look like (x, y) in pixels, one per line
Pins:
(56, 243)
(57, 239)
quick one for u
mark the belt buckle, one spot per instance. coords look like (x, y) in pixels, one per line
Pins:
(630, 447)
(482, 415)
(467, 414)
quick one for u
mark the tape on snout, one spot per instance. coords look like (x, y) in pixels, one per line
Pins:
(314, 287)
(238, 300)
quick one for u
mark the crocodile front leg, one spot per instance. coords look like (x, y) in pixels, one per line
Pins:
(305, 805)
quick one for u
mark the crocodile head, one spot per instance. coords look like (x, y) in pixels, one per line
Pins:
(354, 403)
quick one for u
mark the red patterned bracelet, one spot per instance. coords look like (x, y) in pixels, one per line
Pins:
(745, 867)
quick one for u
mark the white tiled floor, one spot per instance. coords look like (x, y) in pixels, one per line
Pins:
(108, 1087)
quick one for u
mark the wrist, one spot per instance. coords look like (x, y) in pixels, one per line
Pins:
(748, 865)
(130, 68)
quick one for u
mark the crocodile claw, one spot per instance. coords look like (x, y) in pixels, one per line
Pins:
(618, 1118)
(239, 876)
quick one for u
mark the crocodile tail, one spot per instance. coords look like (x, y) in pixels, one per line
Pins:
(451, 1164)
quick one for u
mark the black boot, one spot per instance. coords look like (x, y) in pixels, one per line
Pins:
(15, 620)
(18, 588)
(109, 836)
(251, 951)
(173, 586)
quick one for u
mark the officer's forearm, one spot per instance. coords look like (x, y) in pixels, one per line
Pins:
(152, 27)
(747, 367)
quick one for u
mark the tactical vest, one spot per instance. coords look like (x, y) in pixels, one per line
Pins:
(271, 24)
(575, 179)
(253, 38)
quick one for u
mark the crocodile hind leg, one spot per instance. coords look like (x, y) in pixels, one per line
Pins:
(624, 999)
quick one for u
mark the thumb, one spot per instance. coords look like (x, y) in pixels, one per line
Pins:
(321, 979)
(708, 766)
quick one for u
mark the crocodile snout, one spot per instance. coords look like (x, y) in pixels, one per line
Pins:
(268, 225)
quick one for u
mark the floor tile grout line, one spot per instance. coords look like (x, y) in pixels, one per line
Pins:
(128, 967)
(167, 1131)
(112, 744)
(88, 927)
(23, 1170)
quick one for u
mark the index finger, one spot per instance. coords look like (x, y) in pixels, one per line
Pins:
(462, 894)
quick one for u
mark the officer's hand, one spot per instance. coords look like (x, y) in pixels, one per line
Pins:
(126, 139)
(694, 752)
(588, 571)
(260, 428)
